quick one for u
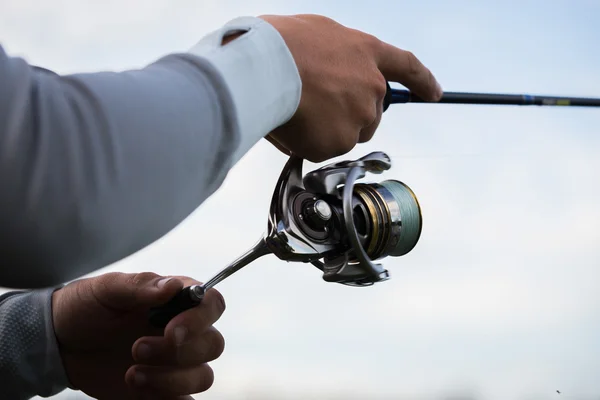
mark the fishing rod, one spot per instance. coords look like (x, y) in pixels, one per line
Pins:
(339, 225)
(401, 96)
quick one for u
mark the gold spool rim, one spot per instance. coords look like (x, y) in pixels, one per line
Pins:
(372, 244)
(378, 208)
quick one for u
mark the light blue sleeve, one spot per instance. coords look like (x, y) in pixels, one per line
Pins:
(94, 167)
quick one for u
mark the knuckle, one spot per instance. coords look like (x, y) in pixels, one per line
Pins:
(141, 278)
(366, 117)
(372, 42)
(380, 86)
(318, 18)
(187, 281)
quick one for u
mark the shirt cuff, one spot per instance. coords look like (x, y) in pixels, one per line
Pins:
(261, 75)
(30, 361)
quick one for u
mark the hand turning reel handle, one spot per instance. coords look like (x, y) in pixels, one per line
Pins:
(342, 230)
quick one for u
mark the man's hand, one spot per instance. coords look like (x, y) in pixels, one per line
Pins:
(344, 74)
(110, 351)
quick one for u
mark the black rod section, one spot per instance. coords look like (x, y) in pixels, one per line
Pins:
(398, 96)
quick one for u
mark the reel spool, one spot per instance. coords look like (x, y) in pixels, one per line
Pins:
(327, 219)
(341, 226)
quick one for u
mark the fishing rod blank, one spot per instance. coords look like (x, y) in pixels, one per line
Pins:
(399, 96)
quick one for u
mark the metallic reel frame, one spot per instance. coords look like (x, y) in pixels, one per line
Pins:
(286, 240)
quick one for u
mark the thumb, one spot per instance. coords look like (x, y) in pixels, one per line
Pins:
(126, 292)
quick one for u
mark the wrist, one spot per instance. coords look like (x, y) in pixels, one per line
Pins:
(56, 324)
(30, 361)
(260, 74)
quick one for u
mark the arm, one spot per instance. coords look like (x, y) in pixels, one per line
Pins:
(94, 167)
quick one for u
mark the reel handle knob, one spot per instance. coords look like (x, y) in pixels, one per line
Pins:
(187, 298)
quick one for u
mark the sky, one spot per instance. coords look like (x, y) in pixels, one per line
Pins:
(499, 298)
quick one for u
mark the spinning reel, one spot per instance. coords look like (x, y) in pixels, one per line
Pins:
(327, 219)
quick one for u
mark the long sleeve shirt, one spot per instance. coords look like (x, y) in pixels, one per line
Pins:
(96, 166)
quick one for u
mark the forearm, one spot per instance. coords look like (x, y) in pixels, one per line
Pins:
(94, 167)
(30, 362)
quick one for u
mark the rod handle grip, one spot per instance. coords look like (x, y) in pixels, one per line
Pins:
(387, 100)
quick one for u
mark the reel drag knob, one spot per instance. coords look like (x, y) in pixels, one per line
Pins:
(317, 214)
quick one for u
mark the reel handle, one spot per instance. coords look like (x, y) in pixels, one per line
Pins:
(192, 296)
(187, 298)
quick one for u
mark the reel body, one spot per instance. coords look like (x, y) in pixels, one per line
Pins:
(340, 226)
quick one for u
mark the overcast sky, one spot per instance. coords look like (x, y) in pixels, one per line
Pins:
(500, 297)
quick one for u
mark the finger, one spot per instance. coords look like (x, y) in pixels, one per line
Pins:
(169, 381)
(404, 67)
(277, 145)
(187, 281)
(185, 327)
(159, 351)
(151, 394)
(125, 292)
